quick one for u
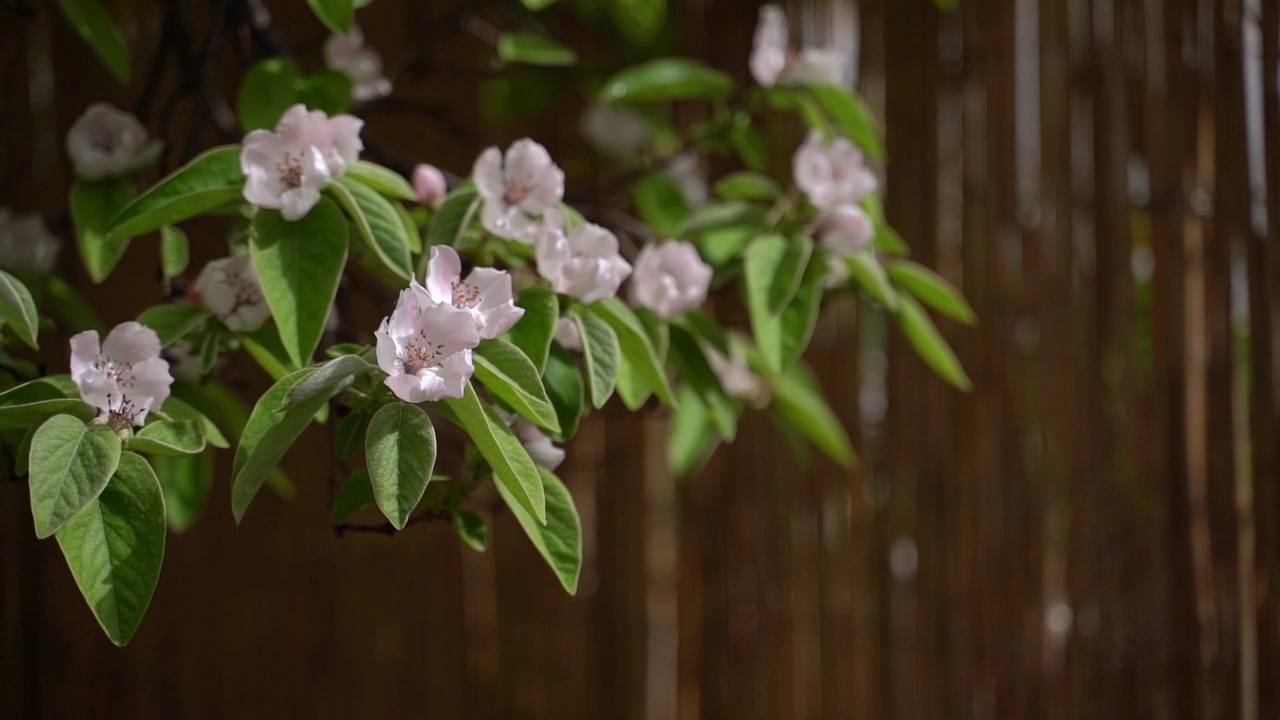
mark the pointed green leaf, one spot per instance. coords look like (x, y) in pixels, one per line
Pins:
(530, 49)
(635, 345)
(376, 222)
(801, 402)
(18, 309)
(511, 377)
(300, 264)
(691, 437)
(559, 538)
(70, 464)
(565, 390)
(349, 437)
(692, 363)
(670, 78)
(174, 321)
(400, 450)
(747, 185)
(356, 495)
(93, 205)
(510, 462)
(95, 25)
(867, 271)
(386, 181)
(454, 216)
(850, 114)
(471, 529)
(175, 251)
(932, 290)
(173, 438)
(211, 179)
(534, 331)
(929, 343)
(187, 481)
(599, 354)
(267, 437)
(116, 546)
(337, 15)
(178, 409)
(326, 379)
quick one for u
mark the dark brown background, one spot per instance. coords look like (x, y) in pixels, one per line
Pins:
(1117, 457)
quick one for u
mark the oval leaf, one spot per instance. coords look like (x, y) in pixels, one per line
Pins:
(533, 333)
(18, 309)
(337, 15)
(356, 494)
(599, 354)
(533, 49)
(116, 546)
(299, 264)
(504, 453)
(70, 464)
(400, 450)
(670, 78)
(93, 205)
(386, 181)
(636, 347)
(512, 378)
(931, 289)
(210, 180)
(377, 222)
(559, 539)
(173, 438)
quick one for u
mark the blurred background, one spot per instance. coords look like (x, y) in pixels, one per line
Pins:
(1093, 532)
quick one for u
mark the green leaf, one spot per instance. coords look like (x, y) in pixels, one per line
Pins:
(887, 240)
(211, 179)
(511, 377)
(691, 437)
(410, 228)
(630, 387)
(327, 90)
(356, 495)
(175, 438)
(509, 460)
(536, 5)
(70, 464)
(671, 78)
(326, 379)
(747, 185)
(530, 49)
(471, 529)
(867, 271)
(349, 437)
(455, 214)
(175, 252)
(31, 403)
(800, 401)
(385, 181)
(716, 216)
(659, 203)
(71, 307)
(267, 437)
(783, 335)
(790, 272)
(116, 546)
(93, 205)
(377, 223)
(636, 347)
(95, 25)
(269, 89)
(850, 115)
(300, 264)
(559, 538)
(599, 354)
(264, 346)
(187, 482)
(692, 363)
(929, 343)
(400, 450)
(337, 15)
(534, 331)
(931, 289)
(178, 409)
(564, 388)
(18, 309)
(747, 142)
(174, 321)
(639, 20)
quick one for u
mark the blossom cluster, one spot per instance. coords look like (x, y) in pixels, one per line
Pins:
(287, 169)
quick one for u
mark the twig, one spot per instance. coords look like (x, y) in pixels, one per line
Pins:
(387, 528)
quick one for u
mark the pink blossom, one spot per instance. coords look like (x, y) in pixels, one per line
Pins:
(26, 245)
(425, 347)
(844, 230)
(105, 142)
(670, 278)
(349, 55)
(230, 288)
(774, 61)
(485, 293)
(287, 169)
(125, 377)
(584, 264)
(517, 188)
(832, 173)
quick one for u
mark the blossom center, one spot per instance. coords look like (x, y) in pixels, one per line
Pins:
(290, 170)
(122, 413)
(518, 190)
(465, 295)
(103, 140)
(120, 373)
(421, 354)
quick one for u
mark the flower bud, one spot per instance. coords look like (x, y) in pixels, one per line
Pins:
(429, 184)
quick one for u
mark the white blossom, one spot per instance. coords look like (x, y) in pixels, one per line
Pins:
(670, 278)
(125, 377)
(349, 55)
(429, 184)
(736, 379)
(106, 141)
(485, 293)
(844, 230)
(26, 245)
(832, 173)
(517, 188)
(690, 178)
(566, 333)
(774, 61)
(425, 347)
(230, 288)
(584, 264)
(285, 170)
